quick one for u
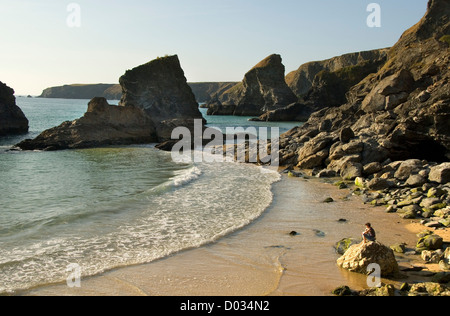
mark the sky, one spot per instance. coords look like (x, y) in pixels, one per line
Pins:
(45, 43)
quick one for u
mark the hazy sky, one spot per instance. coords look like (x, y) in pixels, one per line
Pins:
(215, 40)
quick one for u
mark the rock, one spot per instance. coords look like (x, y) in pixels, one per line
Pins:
(435, 192)
(416, 180)
(440, 173)
(428, 288)
(399, 248)
(328, 200)
(378, 184)
(346, 135)
(360, 182)
(382, 291)
(342, 291)
(429, 202)
(359, 257)
(351, 170)
(325, 173)
(160, 89)
(372, 168)
(432, 256)
(396, 87)
(102, 125)
(263, 89)
(315, 160)
(408, 167)
(441, 277)
(12, 119)
(429, 242)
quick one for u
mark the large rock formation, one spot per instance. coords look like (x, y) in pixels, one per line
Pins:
(322, 84)
(101, 125)
(263, 89)
(12, 119)
(400, 112)
(309, 75)
(160, 89)
(156, 99)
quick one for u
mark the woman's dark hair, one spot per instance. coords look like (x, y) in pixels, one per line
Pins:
(369, 225)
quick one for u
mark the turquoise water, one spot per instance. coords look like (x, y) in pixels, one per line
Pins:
(111, 207)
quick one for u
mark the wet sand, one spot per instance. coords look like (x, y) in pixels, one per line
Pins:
(263, 259)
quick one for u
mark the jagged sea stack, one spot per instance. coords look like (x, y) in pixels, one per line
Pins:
(12, 119)
(263, 89)
(160, 89)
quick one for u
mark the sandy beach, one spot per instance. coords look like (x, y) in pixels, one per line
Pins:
(263, 259)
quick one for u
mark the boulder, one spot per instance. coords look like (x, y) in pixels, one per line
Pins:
(358, 257)
(346, 135)
(408, 167)
(416, 180)
(440, 173)
(351, 171)
(12, 119)
(390, 92)
(377, 184)
(372, 168)
(429, 242)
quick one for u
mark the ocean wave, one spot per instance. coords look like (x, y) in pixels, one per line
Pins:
(187, 177)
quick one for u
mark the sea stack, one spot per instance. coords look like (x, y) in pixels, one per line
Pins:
(263, 89)
(156, 99)
(12, 119)
(161, 90)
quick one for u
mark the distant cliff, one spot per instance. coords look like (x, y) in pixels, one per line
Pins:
(203, 91)
(84, 91)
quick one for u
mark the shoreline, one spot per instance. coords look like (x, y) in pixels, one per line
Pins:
(263, 259)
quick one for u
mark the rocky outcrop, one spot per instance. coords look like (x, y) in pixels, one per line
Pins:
(12, 119)
(399, 113)
(160, 89)
(326, 83)
(102, 125)
(358, 258)
(263, 89)
(310, 75)
(156, 99)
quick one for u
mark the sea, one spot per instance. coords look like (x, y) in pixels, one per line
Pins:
(104, 208)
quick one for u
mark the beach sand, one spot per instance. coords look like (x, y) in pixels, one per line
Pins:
(263, 259)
